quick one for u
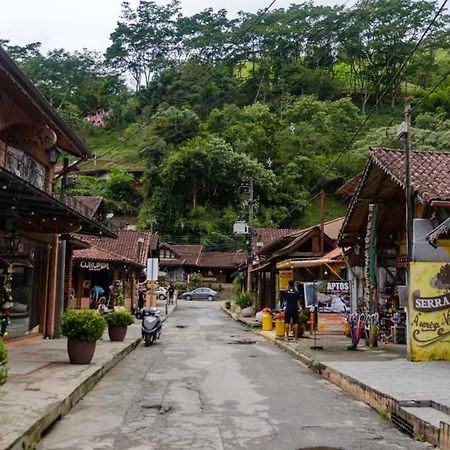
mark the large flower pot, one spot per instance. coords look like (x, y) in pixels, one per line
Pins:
(80, 352)
(117, 332)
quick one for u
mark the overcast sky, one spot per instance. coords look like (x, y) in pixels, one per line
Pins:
(75, 24)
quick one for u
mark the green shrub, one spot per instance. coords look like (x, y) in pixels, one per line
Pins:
(83, 325)
(303, 319)
(3, 361)
(119, 318)
(244, 300)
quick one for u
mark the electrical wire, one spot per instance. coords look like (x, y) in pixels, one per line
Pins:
(397, 74)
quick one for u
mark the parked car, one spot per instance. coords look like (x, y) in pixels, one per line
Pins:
(161, 292)
(200, 294)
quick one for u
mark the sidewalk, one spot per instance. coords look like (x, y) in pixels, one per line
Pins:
(43, 386)
(415, 396)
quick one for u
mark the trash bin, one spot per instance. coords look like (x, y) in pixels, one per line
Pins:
(267, 324)
(279, 327)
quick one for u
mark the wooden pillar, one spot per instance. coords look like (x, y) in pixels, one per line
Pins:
(51, 297)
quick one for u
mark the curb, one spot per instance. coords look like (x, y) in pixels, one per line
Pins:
(33, 434)
(383, 403)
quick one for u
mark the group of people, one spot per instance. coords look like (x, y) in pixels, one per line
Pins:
(99, 300)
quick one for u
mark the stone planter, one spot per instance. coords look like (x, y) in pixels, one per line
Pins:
(117, 332)
(80, 352)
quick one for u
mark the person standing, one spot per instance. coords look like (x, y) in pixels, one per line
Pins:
(170, 293)
(292, 299)
(97, 292)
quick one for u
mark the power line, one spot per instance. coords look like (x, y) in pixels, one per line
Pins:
(398, 73)
(248, 29)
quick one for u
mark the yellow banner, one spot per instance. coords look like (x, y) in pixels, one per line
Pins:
(284, 277)
(429, 311)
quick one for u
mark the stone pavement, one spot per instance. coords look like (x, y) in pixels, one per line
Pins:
(43, 386)
(414, 395)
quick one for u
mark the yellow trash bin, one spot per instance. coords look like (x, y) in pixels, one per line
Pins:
(267, 324)
(279, 327)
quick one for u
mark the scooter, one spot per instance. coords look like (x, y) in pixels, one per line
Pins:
(151, 324)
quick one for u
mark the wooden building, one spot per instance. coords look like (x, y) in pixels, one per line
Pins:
(36, 215)
(107, 261)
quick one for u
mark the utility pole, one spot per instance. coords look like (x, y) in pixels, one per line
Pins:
(322, 222)
(409, 204)
(250, 232)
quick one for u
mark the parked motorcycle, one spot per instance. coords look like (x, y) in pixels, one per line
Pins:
(151, 324)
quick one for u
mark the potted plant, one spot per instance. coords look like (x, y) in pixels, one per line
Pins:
(118, 322)
(82, 328)
(303, 320)
(3, 363)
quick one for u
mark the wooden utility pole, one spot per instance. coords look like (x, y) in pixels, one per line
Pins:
(322, 221)
(250, 239)
(409, 203)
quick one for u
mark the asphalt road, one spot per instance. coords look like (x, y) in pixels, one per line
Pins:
(211, 384)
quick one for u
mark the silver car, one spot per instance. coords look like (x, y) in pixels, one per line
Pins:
(200, 294)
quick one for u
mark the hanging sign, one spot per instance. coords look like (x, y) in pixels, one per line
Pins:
(284, 277)
(429, 311)
(29, 136)
(94, 266)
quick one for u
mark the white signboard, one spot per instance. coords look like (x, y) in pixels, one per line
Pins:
(152, 269)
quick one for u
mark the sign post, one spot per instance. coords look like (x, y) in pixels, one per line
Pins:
(152, 278)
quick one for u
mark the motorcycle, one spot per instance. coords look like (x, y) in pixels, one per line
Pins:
(151, 324)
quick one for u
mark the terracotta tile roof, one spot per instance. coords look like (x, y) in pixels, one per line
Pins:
(93, 203)
(126, 245)
(100, 254)
(430, 171)
(222, 259)
(266, 235)
(331, 229)
(189, 254)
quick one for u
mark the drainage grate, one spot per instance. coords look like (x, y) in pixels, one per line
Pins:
(320, 448)
(242, 342)
(402, 424)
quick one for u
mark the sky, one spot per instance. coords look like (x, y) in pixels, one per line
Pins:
(77, 24)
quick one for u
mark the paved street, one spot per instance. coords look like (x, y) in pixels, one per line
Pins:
(211, 384)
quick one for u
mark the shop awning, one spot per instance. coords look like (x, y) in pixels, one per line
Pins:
(294, 263)
(21, 200)
(260, 268)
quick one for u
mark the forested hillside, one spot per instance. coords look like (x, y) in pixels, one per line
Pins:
(291, 98)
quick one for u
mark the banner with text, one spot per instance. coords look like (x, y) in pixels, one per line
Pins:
(429, 311)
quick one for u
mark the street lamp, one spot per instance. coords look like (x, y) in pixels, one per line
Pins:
(53, 154)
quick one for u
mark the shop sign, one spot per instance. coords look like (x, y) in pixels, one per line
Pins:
(283, 277)
(429, 311)
(94, 265)
(29, 136)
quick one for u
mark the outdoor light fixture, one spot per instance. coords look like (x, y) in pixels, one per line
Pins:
(53, 154)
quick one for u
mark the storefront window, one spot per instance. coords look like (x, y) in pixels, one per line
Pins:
(22, 301)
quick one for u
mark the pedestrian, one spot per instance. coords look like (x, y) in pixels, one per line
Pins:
(97, 292)
(170, 293)
(102, 308)
(292, 299)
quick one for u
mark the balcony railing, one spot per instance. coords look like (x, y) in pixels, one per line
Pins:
(34, 173)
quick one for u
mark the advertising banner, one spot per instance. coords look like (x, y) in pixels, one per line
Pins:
(429, 311)
(333, 301)
(284, 277)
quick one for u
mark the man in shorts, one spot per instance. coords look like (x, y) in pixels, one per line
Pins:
(292, 300)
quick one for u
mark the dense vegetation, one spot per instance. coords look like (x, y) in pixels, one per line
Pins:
(204, 103)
